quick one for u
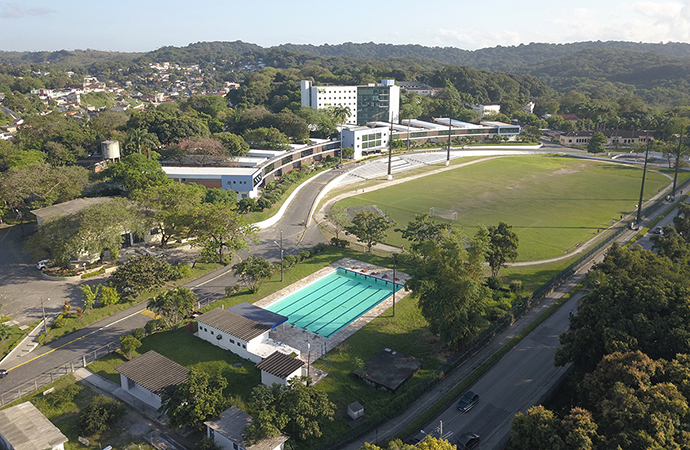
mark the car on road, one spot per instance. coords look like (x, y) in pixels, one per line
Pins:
(42, 264)
(468, 401)
(3, 373)
(467, 441)
(658, 230)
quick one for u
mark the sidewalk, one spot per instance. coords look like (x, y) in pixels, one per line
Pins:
(20, 353)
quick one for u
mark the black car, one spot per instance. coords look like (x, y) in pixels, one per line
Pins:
(3, 373)
(468, 401)
(467, 441)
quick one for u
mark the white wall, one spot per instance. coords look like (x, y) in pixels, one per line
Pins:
(141, 393)
(227, 342)
(222, 441)
(268, 379)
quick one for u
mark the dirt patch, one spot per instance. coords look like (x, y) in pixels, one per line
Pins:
(564, 171)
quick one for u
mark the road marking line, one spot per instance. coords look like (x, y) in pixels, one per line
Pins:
(75, 340)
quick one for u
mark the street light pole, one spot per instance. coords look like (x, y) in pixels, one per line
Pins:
(45, 325)
(280, 246)
(644, 173)
(675, 176)
(394, 258)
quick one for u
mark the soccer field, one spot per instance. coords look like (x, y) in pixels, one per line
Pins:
(553, 203)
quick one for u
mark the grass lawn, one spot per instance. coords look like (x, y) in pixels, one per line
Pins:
(552, 202)
(16, 335)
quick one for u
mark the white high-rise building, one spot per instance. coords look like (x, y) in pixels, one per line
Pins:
(367, 103)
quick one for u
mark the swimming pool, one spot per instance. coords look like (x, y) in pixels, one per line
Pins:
(332, 302)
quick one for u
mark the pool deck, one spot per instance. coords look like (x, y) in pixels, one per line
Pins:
(319, 345)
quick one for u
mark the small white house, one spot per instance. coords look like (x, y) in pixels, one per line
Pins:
(280, 368)
(26, 428)
(150, 376)
(233, 332)
(228, 432)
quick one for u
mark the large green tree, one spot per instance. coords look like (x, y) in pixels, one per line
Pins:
(39, 185)
(136, 171)
(196, 400)
(253, 271)
(221, 231)
(446, 275)
(298, 410)
(142, 272)
(596, 143)
(173, 305)
(502, 248)
(369, 227)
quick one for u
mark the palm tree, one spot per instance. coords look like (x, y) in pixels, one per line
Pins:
(341, 113)
(140, 139)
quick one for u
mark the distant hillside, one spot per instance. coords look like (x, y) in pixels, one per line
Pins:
(509, 59)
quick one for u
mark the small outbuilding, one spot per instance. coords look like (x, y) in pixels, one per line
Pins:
(280, 368)
(150, 376)
(233, 332)
(26, 428)
(228, 432)
(388, 369)
(355, 410)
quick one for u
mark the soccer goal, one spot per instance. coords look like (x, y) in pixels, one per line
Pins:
(443, 213)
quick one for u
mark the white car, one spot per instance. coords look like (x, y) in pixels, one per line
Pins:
(42, 264)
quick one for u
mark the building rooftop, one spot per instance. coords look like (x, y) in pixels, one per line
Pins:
(389, 369)
(26, 428)
(233, 324)
(231, 424)
(67, 208)
(154, 372)
(208, 171)
(280, 365)
(258, 314)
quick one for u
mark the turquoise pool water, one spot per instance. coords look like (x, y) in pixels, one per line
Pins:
(331, 303)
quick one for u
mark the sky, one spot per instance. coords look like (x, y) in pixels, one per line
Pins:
(145, 25)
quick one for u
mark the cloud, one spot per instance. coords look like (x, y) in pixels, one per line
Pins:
(474, 38)
(15, 11)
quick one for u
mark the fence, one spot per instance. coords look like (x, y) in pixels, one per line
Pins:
(57, 373)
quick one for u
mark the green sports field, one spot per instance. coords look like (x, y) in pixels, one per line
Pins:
(554, 203)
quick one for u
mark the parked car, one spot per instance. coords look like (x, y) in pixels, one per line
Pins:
(467, 441)
(658, 230)
(42, 264)
(468, 401)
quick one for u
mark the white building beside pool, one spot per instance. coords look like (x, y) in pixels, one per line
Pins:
(280, 368)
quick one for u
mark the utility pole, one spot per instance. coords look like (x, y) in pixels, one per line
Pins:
(675, 176)
(394, 286)
(308, 363)
(281, 254)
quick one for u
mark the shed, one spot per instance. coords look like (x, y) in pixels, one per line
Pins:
(150, 376)
(26, 428)
(228, 432)
(388, 369)
(355, 410)
(280, 368)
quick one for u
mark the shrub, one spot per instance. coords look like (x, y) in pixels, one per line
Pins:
(515, 286)
(63, 395)
(139, 333)
(230, 290)
(100, 414)
(493, 283)
(59, 322)
(263, 203)
(289, 260)
(93, 274)
(304, 254)
(183, 270)
(109, 296)
(319, 248)
(207, 444)
(341, 243)
(150, 327)
(129, 344)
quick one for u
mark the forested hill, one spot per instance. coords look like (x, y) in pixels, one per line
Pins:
(509, 59)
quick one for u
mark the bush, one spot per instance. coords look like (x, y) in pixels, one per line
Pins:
(109, 296)
(63, 395)
(59, 322)
(304, 254)
(129, 344)
(183, 270)
(230, 290)
(93, 274)
(493, 283)
(289, 260)
(340, 243)
(207, 444)
(150, 327)
(515, 286)
(263, 203)
(100, 414)
(139, 333)
(319, 248)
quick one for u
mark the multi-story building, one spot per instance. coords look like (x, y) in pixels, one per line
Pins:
(367, 103)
